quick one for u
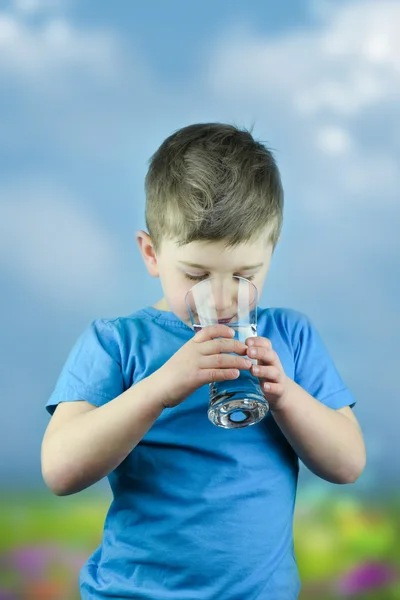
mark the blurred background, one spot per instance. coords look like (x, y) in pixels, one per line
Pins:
(88, 92)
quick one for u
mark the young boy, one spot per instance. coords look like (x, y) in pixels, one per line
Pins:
(199, 512)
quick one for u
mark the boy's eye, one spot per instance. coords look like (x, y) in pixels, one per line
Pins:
(195, 277)
(200, 277)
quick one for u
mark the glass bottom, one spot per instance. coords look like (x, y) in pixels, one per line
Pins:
(235, 410)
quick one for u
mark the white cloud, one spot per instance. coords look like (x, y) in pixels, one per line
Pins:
(329, 86)
(30, 7)
(81, 91)
(349, 63)
(52, 50)
(54, 247)
(333, 140)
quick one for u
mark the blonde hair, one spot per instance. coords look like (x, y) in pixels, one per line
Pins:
(212, 182)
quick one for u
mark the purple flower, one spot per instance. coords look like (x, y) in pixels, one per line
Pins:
(7, 595)
(366, 577)
(32, 560)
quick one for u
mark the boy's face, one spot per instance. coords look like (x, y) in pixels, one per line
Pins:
(180, 268)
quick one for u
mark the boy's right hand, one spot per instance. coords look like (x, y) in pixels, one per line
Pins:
(203, 359)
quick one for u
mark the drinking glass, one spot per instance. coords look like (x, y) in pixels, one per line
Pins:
(239, 402)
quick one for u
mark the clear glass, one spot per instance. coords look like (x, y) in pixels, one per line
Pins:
(233, 302)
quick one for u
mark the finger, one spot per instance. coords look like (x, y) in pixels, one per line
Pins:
(212, 375)
(214, 331)
(223, 345)
(270, 373)
(259, 341)
(225, 361)
(263, 354)
(272, 390)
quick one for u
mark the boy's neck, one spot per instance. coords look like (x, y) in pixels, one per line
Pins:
(162, 305)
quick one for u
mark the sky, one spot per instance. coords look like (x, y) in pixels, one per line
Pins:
(90, 90)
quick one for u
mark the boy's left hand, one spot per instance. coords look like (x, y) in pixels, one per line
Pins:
(269, 371)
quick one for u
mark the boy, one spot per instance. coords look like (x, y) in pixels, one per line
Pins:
(199, 512)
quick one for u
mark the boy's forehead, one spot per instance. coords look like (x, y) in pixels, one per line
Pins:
(205, 253)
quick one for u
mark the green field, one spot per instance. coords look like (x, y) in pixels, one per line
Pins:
(346, 548)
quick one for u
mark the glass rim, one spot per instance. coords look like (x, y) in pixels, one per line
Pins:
(190, 299)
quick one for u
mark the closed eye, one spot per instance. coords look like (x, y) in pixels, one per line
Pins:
(194, 277)
(200, 277)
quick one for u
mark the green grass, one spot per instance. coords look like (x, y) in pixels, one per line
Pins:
(332, 536)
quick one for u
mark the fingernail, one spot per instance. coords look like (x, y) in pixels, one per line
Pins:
(250, 343)
(267, 386)
(232, 331)
(256, 369)
(253, 352)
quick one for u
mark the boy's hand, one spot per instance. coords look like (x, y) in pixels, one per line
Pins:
(203, 359)
(269, 371)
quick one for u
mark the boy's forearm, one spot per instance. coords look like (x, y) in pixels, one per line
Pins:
(91, 445)
(327, 442)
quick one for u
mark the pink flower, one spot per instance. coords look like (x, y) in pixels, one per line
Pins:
(7, 595)
(366, 577)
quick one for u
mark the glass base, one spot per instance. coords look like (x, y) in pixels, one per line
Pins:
(235, 412)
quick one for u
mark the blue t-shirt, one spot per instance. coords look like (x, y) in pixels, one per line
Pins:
(198, 512)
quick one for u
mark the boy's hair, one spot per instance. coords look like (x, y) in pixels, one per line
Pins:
(212, 182)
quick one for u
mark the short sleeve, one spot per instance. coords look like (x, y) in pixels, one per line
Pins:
(92, 371)
(315, 370)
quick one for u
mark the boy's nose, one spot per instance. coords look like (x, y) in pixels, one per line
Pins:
(224, 300)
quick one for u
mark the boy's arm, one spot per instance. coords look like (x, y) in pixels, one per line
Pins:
(329, 442)
(83, 443)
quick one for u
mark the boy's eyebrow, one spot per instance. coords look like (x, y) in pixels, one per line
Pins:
(196, 266)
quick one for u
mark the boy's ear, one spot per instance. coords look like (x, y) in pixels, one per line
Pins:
(147, 252)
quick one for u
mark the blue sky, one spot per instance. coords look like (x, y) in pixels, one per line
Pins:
(89, 90)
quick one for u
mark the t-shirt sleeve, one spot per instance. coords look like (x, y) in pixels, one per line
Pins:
(315, 370)
(92, 371)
